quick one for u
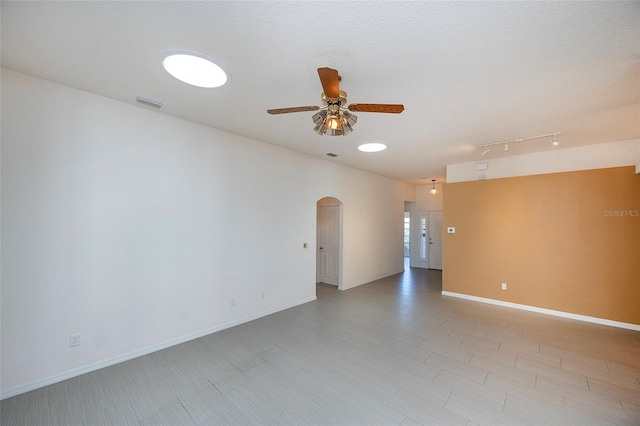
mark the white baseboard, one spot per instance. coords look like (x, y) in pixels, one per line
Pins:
(585, 318)
(138, 353)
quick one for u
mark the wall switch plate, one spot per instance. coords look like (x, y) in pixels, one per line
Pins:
(451, 230)
(74, 340)
(305, 245)
(504, 286)
(232, 302)
(263, 295)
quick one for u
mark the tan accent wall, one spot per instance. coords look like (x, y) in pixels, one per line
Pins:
(565, 241)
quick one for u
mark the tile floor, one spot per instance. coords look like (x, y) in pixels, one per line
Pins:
(391, 352)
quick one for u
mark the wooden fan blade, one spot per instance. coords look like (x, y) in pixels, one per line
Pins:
(387, 108)
(293, 109)
(330, 82)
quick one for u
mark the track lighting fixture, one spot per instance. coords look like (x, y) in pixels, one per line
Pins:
(487, 146)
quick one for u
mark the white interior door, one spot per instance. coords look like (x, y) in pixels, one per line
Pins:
(419, 242)
(328, 244)
(435, 240)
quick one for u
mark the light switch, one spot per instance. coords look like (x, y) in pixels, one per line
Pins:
(451, 230)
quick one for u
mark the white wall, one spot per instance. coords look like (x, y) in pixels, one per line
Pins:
(425, 201)
(135, 229)
(600, 156)
(377, 231)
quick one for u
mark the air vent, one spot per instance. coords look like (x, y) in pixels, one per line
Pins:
(149, 102)
(331, 154)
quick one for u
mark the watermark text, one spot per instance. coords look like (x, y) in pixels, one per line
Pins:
(622, 213)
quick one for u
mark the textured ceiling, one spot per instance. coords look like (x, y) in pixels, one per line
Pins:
(467, 72)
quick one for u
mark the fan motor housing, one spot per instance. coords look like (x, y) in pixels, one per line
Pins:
(341, 100)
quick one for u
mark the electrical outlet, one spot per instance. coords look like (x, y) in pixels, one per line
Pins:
(504, 286)
(232, 302)
(74, 340)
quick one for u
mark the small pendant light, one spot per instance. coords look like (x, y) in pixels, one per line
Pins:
(433, 190)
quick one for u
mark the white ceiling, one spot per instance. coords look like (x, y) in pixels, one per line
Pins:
(467, 72)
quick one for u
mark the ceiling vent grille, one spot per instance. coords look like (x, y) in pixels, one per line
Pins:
(149, 102)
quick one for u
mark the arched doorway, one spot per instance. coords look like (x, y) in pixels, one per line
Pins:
(329, 241)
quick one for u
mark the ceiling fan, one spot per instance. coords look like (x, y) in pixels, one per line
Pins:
(334, 117)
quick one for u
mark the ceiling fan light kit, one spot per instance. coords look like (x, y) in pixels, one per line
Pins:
(338, 123)
(334, 119)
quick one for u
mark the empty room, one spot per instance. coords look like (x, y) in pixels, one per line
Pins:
(320, 213)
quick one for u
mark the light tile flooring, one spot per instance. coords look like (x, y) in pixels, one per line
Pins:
(391, 352)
